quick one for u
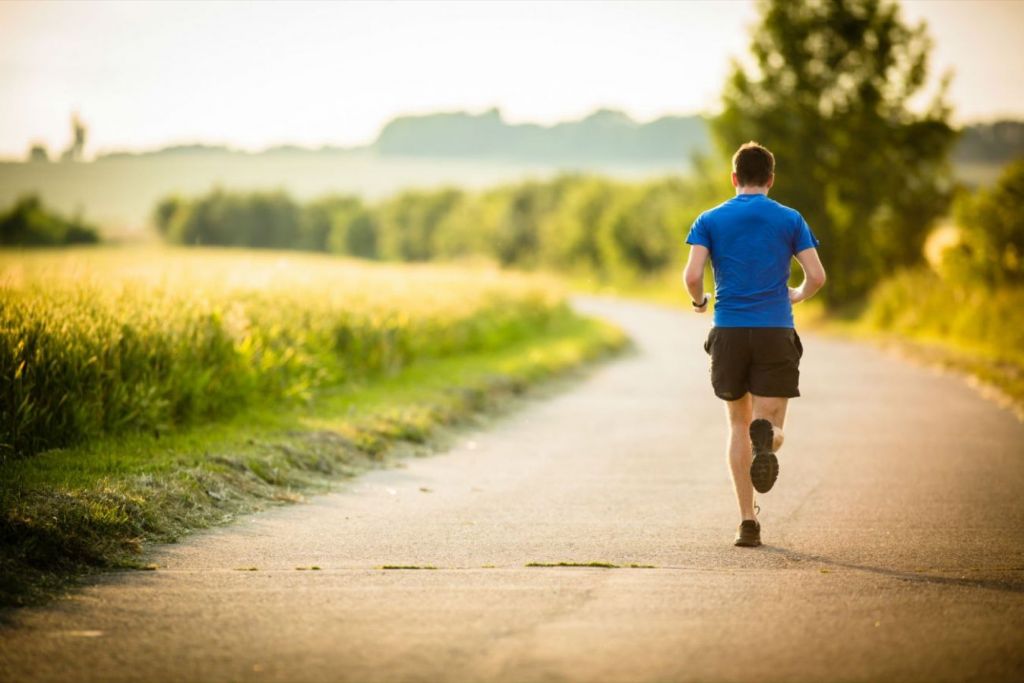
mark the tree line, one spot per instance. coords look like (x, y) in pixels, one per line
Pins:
(572, 223)
(28, 223)
(608, 229)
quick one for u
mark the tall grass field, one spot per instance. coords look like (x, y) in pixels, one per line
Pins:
(97, 342)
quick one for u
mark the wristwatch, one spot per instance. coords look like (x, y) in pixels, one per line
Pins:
(707, 298)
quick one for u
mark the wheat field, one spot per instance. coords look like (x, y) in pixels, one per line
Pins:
(106, 340)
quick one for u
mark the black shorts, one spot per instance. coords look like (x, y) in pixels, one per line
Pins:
(764, 361)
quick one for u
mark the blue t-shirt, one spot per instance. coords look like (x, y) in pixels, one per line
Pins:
(752, 240)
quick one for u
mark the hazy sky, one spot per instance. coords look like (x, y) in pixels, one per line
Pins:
(252, 75)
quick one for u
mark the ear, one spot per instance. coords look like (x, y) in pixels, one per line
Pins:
(771, 181)
(735, 181)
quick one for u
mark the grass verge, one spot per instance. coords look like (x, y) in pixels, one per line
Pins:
(966, 328)
(69, 512)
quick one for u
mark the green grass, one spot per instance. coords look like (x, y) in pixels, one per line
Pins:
(97, 504)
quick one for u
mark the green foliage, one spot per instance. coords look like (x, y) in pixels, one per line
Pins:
(127, 341)
(991, 222)
(351, 226)
(164, 212)
(340, 224)
(29, 223)
(257, 219)
(516, 234)
(919, 303)
(38, 153)
(569, 236)
(408, 223)
(830, 98)
(573, 223)
(962, 324)
(641, 230)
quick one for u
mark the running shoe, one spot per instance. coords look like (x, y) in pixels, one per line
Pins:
(764, 469)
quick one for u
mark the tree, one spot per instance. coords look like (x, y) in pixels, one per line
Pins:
(991, 247)
(38, 153)
(409, 221)
(254, 219)
(352, 227)
(163, 213)
(829, 96)
(569, 233)
(28, 223)
(76, 150)
(516, 237)
(639, 233)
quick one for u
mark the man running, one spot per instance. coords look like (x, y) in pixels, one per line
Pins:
(755, 352)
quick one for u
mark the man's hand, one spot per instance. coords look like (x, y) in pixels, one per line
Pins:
(704, 305)
(814, 276)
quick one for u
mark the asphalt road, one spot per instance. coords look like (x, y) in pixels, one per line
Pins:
(893, 548)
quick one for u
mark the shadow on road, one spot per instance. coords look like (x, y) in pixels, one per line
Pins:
(1004, 585)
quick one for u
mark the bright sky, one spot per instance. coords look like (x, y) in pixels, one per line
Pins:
(254, 75)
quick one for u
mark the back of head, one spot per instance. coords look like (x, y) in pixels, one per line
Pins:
(753, 165)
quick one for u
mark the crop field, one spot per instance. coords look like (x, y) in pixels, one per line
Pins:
(102, 341)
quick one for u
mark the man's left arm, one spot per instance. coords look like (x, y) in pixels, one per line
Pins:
(693, 276)
(814, 276)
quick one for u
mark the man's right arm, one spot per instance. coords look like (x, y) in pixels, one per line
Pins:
(693, 275)
(814, 276)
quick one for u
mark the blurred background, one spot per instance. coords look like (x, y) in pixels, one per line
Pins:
(578, 138)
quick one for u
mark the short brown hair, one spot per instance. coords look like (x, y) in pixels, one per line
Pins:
(753, 165)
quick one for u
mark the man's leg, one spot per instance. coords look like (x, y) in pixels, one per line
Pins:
(740, 414)
(765, 440)
(773, 409)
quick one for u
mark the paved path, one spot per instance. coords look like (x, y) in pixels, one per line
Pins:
(895, 548)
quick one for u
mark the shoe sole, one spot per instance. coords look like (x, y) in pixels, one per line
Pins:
(764, 469)
(747, 544)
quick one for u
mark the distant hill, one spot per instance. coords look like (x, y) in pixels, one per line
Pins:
(996, 142)
(612, 136)
(604, 136)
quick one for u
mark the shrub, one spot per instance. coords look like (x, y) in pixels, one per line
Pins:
(919, 303)
(991, 222)
(29, 223)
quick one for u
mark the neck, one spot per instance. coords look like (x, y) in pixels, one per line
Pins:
(752, 190)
